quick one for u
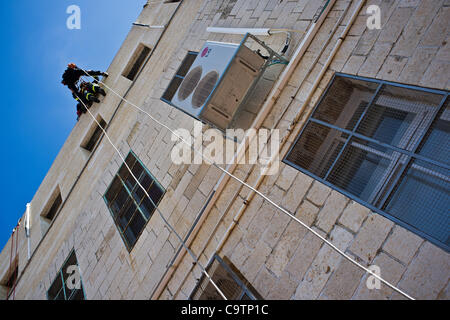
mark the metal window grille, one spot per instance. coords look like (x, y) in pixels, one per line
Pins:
(230, 282)
(179, 76)
(385, 145)
(59, 289)
(130, 208)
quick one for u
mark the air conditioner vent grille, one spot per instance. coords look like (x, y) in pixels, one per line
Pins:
(204, 88)
(189, 83)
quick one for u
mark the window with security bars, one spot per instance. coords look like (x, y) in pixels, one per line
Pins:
(385, 145)
(67, 284)
(232, 284)
(179, 76)
(130, 207)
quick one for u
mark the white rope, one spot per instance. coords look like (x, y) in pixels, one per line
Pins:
(157, 209)
(342, 253)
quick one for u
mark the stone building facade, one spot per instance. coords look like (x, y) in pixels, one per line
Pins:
(226, 226)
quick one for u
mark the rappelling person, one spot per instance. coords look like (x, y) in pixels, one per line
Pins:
(72, 74)
(90, 90)
(87, 93)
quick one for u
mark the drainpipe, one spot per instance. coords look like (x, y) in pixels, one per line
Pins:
(291, 130)
(266, 108)
(27, 228)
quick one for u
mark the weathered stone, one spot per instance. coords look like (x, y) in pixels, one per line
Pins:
(344, 281)
(354, 215)
(283, 289)
(390, 270)
(427, 274)
(331, 210)
(371, 236)
(296, 192)
(318, 193)
(402, 244)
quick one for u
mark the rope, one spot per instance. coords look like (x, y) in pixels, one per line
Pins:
(339, 251)
(157, 209)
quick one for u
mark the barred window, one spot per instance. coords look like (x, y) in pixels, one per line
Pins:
(385, 145)
(67, 284)
(179, 76)
(130, 208)
(232, 284)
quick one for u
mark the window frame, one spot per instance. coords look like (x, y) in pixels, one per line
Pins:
(176, 75)
(410, 156)
(129, 192)
(61, 276)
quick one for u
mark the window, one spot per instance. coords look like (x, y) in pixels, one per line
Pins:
(50, 210)
(94, 135)
(385, 145)
(10, 280)
(179, 76)
(232, 284)
(136, 62)
(67, 284)
(130, 208)
(54, 208)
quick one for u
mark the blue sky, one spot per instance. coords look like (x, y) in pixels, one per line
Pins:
(37, 111)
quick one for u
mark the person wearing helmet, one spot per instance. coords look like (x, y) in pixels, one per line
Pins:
(72, 74)
(90, 90)
(88, 95)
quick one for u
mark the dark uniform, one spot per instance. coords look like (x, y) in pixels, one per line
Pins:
(71, 76)
(87, 92)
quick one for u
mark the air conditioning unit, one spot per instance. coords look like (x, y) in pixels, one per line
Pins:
(217, 82)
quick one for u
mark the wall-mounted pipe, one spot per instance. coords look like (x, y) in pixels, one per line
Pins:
(148, 26)
(27, 228)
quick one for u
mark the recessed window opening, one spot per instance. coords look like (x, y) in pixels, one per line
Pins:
(54, 207)
(10, 281)
(136, 62)
(94, 135)
(51, 209)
